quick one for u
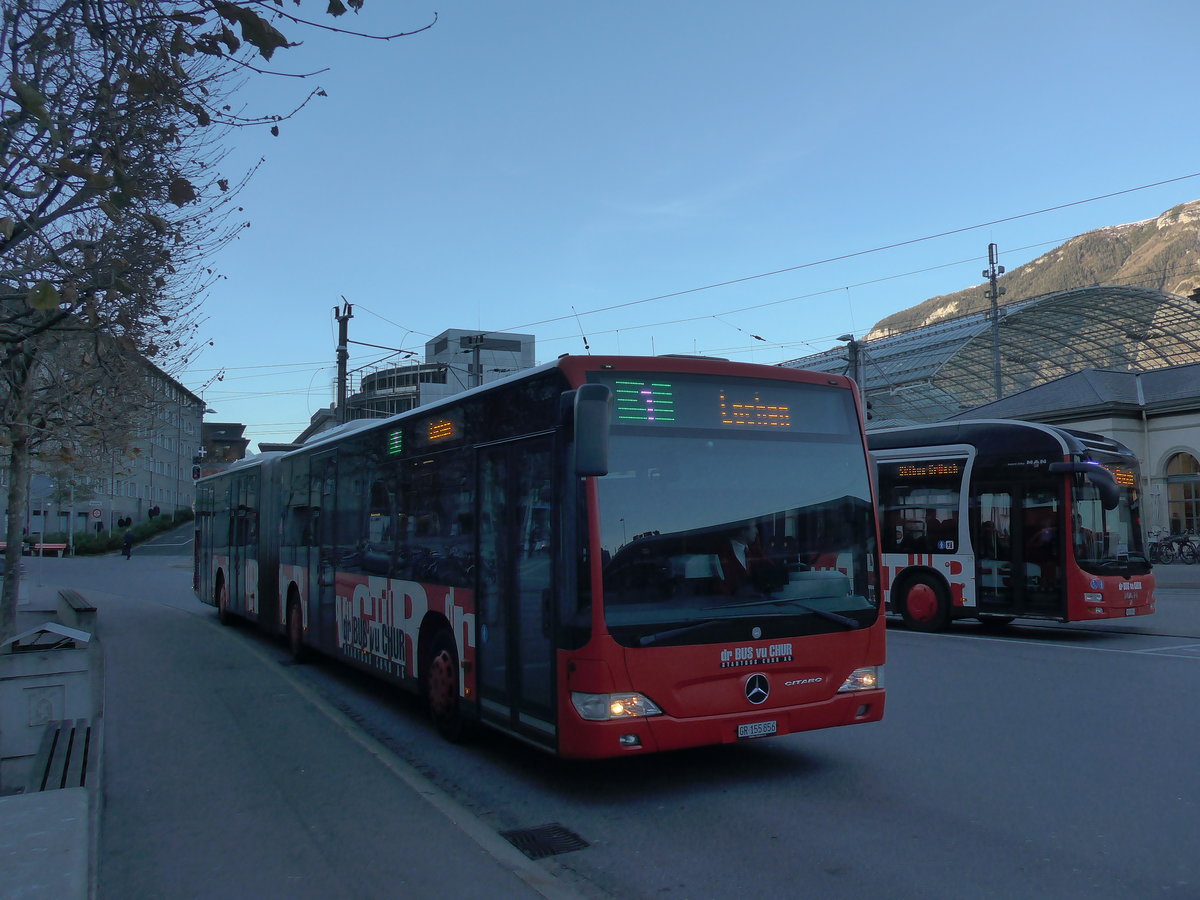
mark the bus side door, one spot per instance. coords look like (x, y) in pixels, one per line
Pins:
(515, 572)
(323, 599)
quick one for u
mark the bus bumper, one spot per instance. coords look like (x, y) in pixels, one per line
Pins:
(599, 740)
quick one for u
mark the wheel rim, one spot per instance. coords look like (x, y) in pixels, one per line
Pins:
(443, 684)
(921, 602)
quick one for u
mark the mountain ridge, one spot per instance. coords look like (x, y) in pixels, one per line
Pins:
(1162, 252)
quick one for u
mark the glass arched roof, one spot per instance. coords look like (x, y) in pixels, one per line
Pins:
(926, 374)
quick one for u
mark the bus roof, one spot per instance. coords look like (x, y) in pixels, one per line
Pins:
(575, 367)
(983, 432)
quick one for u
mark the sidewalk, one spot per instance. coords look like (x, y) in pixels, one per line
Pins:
(51, 841)
(1178, 577)
(48, 838)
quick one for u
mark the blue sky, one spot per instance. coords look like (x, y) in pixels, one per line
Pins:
(524, 165)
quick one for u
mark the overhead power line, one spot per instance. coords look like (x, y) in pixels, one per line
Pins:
(857, 253)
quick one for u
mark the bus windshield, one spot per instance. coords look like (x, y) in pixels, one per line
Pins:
(704, 541)
(1108, 539)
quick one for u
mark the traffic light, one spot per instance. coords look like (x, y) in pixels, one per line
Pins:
(195, 471)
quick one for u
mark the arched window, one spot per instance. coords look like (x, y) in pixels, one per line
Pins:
(1183, 492)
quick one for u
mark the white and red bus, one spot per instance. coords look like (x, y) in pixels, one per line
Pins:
(600, 556)
(1001, 519)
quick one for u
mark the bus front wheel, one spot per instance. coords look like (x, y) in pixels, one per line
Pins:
(441, 687)
(924, 604)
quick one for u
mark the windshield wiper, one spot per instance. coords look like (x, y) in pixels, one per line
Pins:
(775, 601)
(648, 639)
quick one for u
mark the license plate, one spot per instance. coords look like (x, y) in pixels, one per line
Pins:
(1131, 612)
(757, 729)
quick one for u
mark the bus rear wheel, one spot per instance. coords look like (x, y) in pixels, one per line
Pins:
(441, 687)
(295, 631)
(924, 604)
(224, 616)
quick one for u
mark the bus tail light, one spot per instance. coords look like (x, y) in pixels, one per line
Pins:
(868, 678)
(603, 707)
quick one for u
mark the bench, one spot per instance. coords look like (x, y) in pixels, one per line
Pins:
(56, 549)
(66, 757)
(76, 611)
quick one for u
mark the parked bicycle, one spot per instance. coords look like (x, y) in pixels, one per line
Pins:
(1163, 548)
(1185, 546)
(1158, 548)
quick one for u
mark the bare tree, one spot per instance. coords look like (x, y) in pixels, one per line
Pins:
(112, 202)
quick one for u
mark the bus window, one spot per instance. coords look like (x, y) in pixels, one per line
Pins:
(919, 502)
(441, 528)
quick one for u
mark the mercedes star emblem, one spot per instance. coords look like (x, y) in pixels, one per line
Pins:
(757, 688)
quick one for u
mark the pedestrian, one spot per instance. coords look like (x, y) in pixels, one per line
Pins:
(128, 547)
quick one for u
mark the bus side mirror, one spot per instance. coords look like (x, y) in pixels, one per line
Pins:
(592, 413)
(1106, 485)
(1110, 494)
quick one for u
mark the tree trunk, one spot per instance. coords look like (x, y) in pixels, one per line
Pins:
(18, 366)
(18, 490)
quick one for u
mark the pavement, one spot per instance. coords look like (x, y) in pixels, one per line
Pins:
(49, 839)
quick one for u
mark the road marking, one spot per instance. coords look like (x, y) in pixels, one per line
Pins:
(1190, 651)
(1193, 650)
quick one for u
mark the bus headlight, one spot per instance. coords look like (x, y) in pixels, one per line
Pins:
(603, 707)
(868, 678)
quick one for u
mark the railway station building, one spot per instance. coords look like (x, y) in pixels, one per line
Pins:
(1120, 361)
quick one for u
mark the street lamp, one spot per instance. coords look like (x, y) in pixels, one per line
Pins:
(854, 349)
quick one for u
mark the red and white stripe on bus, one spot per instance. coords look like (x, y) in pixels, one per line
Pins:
(954, 570)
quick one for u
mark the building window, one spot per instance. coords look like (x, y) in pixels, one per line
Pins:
(1183, 492)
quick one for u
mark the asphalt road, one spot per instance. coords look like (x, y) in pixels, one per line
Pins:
(1041, 761)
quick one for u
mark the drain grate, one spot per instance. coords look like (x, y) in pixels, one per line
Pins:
(544, 840)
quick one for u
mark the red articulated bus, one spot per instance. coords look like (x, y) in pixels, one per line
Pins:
(600, 556)
(1001, 519)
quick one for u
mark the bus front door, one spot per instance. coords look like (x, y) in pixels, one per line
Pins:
(516, 627)
(1017, 550)
(998, 591)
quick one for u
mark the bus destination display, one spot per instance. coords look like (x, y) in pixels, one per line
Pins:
(644, 401)
(1122, 476)
(927, 469)
(701, 402)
